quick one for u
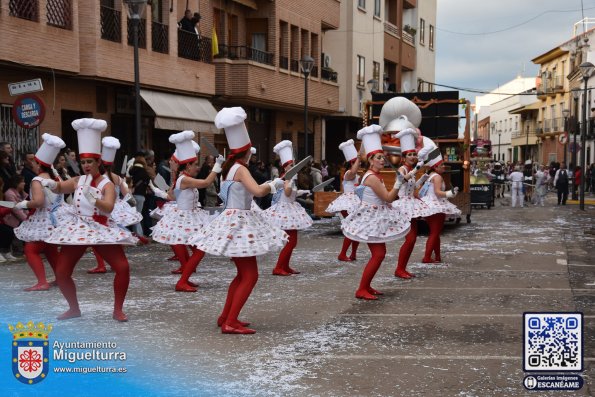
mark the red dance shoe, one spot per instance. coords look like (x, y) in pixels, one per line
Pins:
(183, 287)
(221, 321)
(228, 329)
(280, 272)
(344, 258)
(374, 291)
(38, 287)
(404, 274)
(359, 294)
(97, 270)
(119, 316)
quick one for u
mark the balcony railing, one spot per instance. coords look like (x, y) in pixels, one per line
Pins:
(245, 52)
(142, 33)
(159, 37)
(283, 63)
(294, 65)
(408, 38)
(314, 72)
(110, 24)
(59, 13)
(25, 9)
(328, 74)
(193, 47)
(391, 29)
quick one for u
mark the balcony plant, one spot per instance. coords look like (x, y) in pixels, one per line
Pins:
(410, 30)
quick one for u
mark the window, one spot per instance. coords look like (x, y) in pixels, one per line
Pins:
(422, 31)
(361, 70)
(377, 8)
(376, 75)
(431, 40)
(361, 4)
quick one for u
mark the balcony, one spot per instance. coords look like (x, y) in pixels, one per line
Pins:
(193, 47)
(142, 33)
(245, 53)
(408, 38)
(111, 21)
(391, 29)
(329, 74)
(160, 37)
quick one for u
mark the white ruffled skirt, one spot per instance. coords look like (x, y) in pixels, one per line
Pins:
(441, 205)
(345, 202)
(374, 223)
(411, 207)
(39, 226)
(239, 233)
(178, 226)
(125, 215)
(288, 216)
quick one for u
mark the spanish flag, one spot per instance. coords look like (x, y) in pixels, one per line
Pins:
(214, 43)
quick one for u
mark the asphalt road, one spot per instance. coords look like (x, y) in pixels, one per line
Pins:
(454, 330)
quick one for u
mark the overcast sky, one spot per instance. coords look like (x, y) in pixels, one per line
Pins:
(484, 44)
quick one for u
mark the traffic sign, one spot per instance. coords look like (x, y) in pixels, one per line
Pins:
(23, 87)
(563, 138)
(28, 111)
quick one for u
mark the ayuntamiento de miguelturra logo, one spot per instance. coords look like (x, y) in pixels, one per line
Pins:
(30, 351)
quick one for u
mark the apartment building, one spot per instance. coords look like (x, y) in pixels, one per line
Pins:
(378, 48)
(82, 53)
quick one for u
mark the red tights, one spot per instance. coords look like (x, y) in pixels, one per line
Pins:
(33, 251)
(282, 268)
(181, 253)
(346, 243)
(405, 252)
(365, 290)
(189, 266)
(238, 293)
(100, 268)
(114, 256)
(436, 224)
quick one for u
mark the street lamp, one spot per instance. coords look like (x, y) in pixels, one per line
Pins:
(306, 65)
(586, 71)
(565, 113)
(135, 9)
(576, 93)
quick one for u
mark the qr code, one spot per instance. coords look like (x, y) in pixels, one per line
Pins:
(553, 342)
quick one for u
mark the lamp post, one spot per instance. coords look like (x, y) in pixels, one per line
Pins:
(565, 113)
(576, 93)
(135, 9)
(499, 133)
(306, 65)
(586, 71)
(527, 147)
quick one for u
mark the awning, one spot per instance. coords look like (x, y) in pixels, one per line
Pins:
(247, 3)
(527, 108)
(180, 112)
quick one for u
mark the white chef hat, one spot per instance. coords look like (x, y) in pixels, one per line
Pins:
(49, 149)
(108, 151)
(232, 121)
(407, 138)
(185, 152)
(349, 150)
(436, 160)
(395, 108)
(88, 132)
(370, 137)
(196, 147)
(285, 151)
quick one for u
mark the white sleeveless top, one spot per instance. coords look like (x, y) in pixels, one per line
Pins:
(49, 196)
(238, 197)
(368, 195)
(349, 186)
(407, 188)
(186, 199)
(81, 204)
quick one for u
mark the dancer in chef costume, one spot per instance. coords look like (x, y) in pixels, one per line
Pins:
(37, 228)
(436, 197)
(375, 221)
(239, 232)
(402, 116)
(180, 223)
(123, 214)
(94, 200)
(347, 202)
(286, 213)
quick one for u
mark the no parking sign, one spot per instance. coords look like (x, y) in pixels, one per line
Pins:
(563, 138)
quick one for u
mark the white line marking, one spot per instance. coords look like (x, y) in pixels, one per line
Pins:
(561, 261)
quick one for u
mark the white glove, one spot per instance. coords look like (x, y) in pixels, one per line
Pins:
(49, 183)
(217, 166)
(22, 205)
(411, 174)
(302, 192)
(158, 192)
(279, 183)
(399, 181)
(421, 180)
(455, 190)
(272, 186)
(452, 193)
(90, 195)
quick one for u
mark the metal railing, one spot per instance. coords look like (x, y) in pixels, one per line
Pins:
(59, 13)
(25, 9)
(314, 72)
(195, 48)
(142, 33)
(284, 63)
(22, 140)
(110, 24)
(160, 37)
(408, 38)
(294, 65)
(245, 52)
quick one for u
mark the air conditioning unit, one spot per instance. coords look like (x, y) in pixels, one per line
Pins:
(326, 61)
